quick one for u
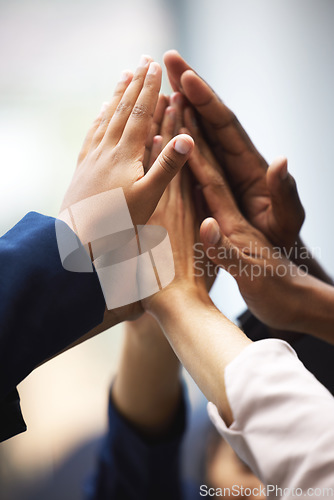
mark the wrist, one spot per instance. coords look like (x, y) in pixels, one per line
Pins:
(175, 298)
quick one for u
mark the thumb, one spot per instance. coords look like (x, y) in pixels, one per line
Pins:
(283, 192)
(218, 247)
(166, 166)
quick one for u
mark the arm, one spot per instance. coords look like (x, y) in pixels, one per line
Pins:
(39, 296)
(147, 388)
(147, 407)
(43, 307)
(261, 392)
(146, 421)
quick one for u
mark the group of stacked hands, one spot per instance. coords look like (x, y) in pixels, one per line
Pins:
(248, 216)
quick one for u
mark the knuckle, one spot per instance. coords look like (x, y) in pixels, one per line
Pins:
(150, 82)
(122, 107)
(140, 111)
(104, 122)
(137, 77)
(167, 163)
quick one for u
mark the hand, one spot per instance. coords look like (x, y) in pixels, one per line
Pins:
(267, 280)
(175, 212)
(113, 153)
(267, 197)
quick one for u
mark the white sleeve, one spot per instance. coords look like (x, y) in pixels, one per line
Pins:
(283, 424)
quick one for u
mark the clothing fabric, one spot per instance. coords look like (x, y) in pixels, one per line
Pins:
(132, 466)
(43, 308)
(305, 346)
(283, 421)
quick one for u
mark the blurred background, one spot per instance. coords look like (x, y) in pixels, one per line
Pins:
(271, 62)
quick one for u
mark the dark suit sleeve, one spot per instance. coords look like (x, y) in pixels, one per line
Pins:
(134, 467)
(43, 308)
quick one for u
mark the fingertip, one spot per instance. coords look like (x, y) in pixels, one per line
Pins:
(157, 139)
(176, 99)
(196, 90)
(210, 231)
(126, 76)
(170, 53)
(170, 111)
(187, 76)
(279, 168)
(183, 144)
(185, 130)
(154, 69)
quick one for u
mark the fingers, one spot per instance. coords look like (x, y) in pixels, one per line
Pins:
(176, 66)
(90, 134)
(218, 247)
(285, 201)
(168, 125)
(231, 135)
(216, 191)
(127, 104)
(159, 113)
(139, 122)
(177, 102)
(109, 108)
(155, 150)
(166, 166)
(155, 128)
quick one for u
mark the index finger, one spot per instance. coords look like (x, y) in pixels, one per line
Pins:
(138, 126)
(225, 131)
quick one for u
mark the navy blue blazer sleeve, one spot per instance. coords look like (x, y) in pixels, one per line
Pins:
(43, 308)
(134, 467)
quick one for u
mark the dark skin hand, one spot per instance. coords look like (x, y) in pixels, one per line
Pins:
(256, 188)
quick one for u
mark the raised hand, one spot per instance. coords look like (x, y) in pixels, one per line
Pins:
(274, 288)
(266, 197)
(113, 152)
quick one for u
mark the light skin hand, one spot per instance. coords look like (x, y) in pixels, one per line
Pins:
(113, 152)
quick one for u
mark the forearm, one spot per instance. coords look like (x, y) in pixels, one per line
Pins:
(203, 339)
(43, 307)
(147, 389)
(278, 405)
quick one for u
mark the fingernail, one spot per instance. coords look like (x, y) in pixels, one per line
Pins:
(124, 76)
(284, 171)
(170, 111)
(176, 98)
(153, 68)
(182, 146)
(213, 233)
(144, 60)
(157, 139)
